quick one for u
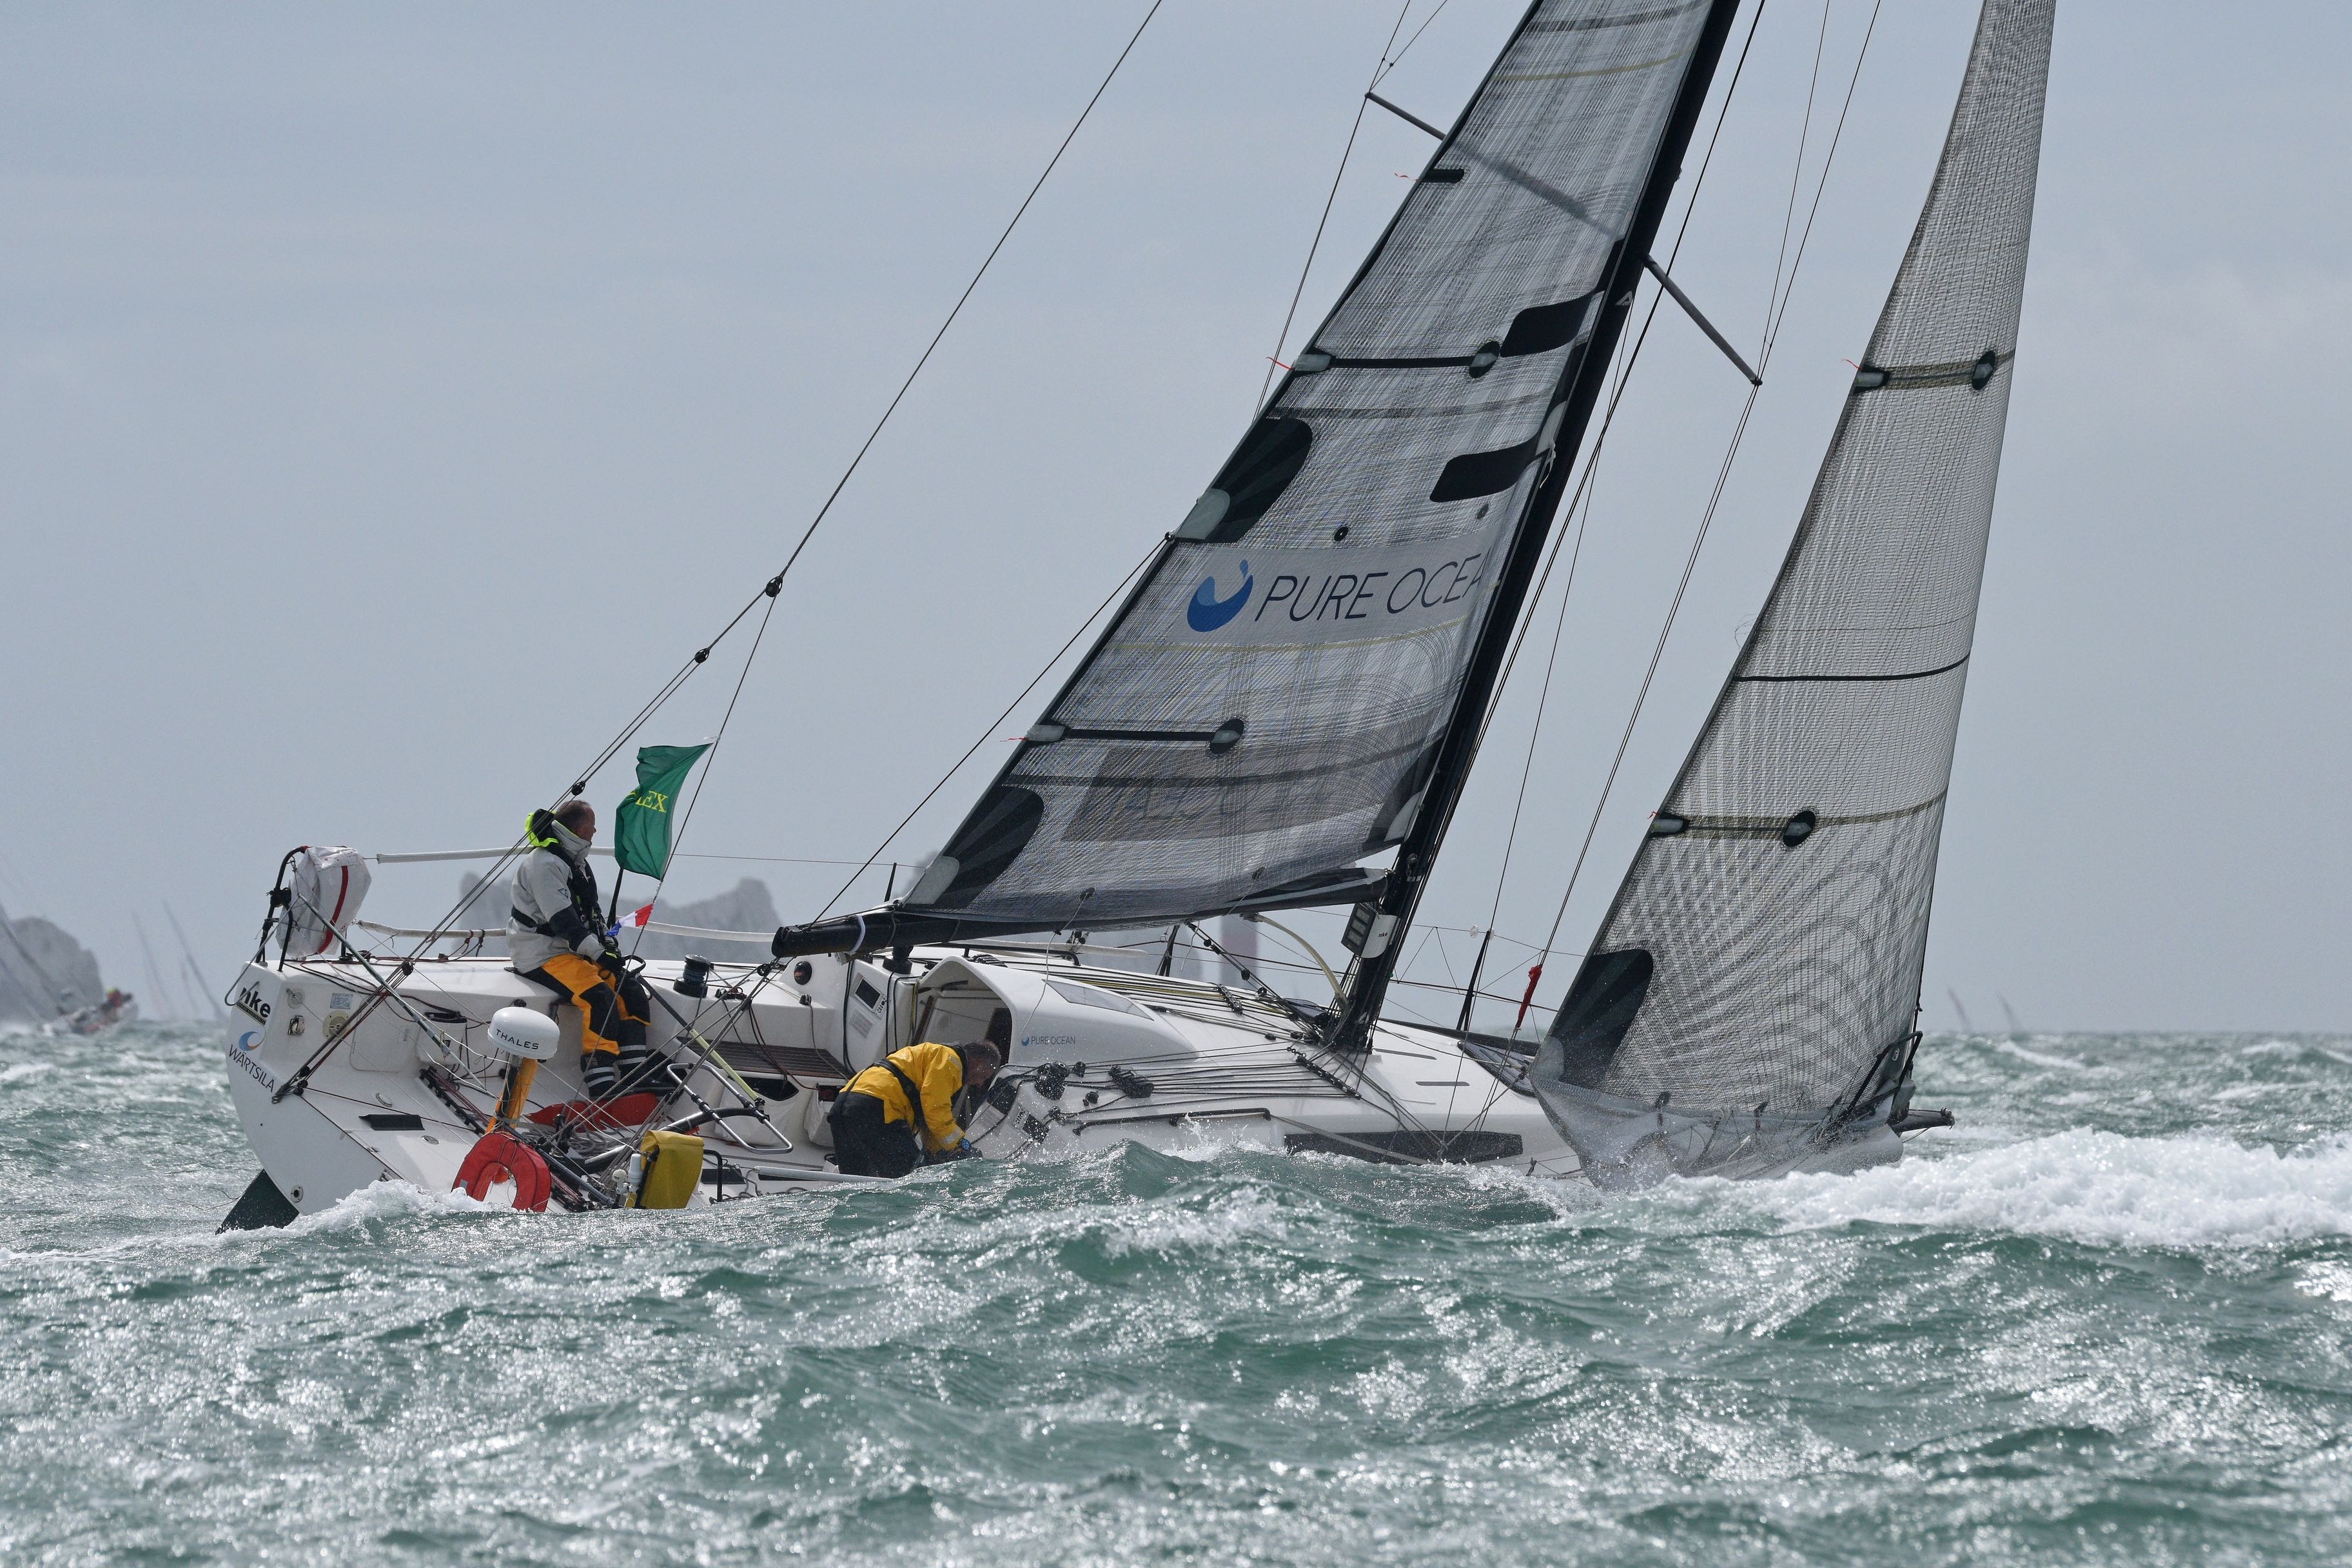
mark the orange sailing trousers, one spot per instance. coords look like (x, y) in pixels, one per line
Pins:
(611, 1015)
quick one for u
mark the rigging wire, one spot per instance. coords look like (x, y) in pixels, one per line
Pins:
(1543, 703)
(1051, 164)
(1397, 58)
(774, 583)
(1274, 360)
(1617, 393)
(773, 587)
(1775, 314)
(867, 863)
(1797, 172)
(1657, 651)
(1822, 185)
(709, 761)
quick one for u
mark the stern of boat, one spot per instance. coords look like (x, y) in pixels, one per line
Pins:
(275, 1022)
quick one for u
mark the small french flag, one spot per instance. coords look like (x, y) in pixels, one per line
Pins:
(637, 917)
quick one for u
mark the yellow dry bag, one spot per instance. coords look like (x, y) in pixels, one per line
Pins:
(673, 1166)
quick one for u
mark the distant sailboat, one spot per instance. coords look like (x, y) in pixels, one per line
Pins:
(1750, 1003)
(2010, 1013)
(155, 988)
(211, 998)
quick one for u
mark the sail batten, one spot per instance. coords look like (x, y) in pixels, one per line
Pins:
(1266, 712)
(1765, 948)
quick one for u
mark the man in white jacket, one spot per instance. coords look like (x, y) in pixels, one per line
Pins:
(557, 940)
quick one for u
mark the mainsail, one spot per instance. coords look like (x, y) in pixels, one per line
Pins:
(1272, 706)
(1753, 991)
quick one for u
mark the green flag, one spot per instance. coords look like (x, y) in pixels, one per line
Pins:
(641, 840)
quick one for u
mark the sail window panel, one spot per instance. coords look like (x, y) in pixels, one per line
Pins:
(1253, 479)
(1328, 742)
(1122, 824)
(1837, 748)
(1378, 442)
(1779, 975)
(1382, 441)
(1553, 153)
(1602, 1002)
(1539, 329)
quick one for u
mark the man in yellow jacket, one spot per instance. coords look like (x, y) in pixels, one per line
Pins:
(888, 1118)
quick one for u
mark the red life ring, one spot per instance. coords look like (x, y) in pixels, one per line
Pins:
(496, 1157)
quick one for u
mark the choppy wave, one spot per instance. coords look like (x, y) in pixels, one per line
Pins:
(2103, 1322)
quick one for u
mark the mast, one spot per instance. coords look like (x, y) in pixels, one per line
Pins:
(188, 957)
(1382, 923)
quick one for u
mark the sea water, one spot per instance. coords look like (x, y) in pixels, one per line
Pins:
(2108, 1319)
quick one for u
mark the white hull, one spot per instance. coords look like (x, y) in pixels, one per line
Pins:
(404, 1093)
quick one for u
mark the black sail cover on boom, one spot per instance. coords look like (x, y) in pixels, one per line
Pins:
(1751, 999)
(1260, 716)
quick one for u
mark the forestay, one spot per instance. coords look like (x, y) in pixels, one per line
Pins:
(1755, 985)
(1263, 713)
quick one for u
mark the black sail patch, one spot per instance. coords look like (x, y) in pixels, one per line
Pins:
(1476, 474)
(999, 829)
(1253, 479)
(1539, 329)
(1607, 992)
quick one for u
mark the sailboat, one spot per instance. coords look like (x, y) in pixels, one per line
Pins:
(1283, 712)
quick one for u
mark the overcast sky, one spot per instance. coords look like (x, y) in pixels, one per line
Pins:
(389, 397)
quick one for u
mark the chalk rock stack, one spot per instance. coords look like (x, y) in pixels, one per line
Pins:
(43, 955)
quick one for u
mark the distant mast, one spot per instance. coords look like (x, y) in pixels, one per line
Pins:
(1753, 992)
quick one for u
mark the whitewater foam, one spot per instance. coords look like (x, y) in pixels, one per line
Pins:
(390, 1200)
(1166, 1223)
(2039, 1058)
(2329, 1281)
(2187, 1190)
(384, 1200)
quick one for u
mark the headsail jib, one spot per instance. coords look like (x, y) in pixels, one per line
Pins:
(1279, 701)
(1753, 989)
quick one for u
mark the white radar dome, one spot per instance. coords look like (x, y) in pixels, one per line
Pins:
(520, 1032)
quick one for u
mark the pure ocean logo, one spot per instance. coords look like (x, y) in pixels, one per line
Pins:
(1302, 598)
(1206, 612)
